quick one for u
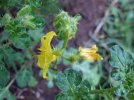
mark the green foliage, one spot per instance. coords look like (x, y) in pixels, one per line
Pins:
(63, 97)
(119, 29)
(51, 7)
(20, 32)
(5, 94)
(3, 72)
(10, 3)
(123, 72)
(25, 78)
(69, 79)
(24, 11)
(120, 58)
(32, 82)
(119, 24)
(72, 86)
(90, 73)
(18, 28)
(79, 83)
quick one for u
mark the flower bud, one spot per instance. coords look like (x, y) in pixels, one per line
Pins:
(57, 52)
(65, 25)
(73, 58)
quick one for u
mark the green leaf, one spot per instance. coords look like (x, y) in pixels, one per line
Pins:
(72, 87)
(35, 3)
(24, 11)
(5, 19)
(90, 73)
(131, 95)
(32, 82)
(63, 97)
(62, 82)
(28, 22)
(12, 58)
(23, 77)
(5, 94)
(21, 40)
(68, 80)
(84, 88)
(50, 7)
(123, 71)
(52, 74)
(36, 34)
(120, 58)
(4, 76)
(73, 77)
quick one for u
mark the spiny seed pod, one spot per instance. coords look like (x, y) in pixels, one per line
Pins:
(65, 25)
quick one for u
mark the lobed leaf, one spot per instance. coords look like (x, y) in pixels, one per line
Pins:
(23, 77)
(120, 58)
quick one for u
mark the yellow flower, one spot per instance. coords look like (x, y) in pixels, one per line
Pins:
(46, 55)
(90, 53)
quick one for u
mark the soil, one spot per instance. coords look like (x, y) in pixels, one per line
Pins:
(91, 11)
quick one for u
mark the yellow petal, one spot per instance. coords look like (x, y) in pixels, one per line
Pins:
(93, 49)
(90, 53)
(44, 72)
(45, 41)
(94, 57)
(46, 56)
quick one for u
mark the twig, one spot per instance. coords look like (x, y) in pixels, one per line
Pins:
(100, 25)
(20, 92)
(103, 21)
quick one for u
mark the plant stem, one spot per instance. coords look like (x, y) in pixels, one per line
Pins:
(7, 87)
(65, 43)
(108, 90)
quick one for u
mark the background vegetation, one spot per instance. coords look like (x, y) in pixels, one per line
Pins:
(24, 22)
